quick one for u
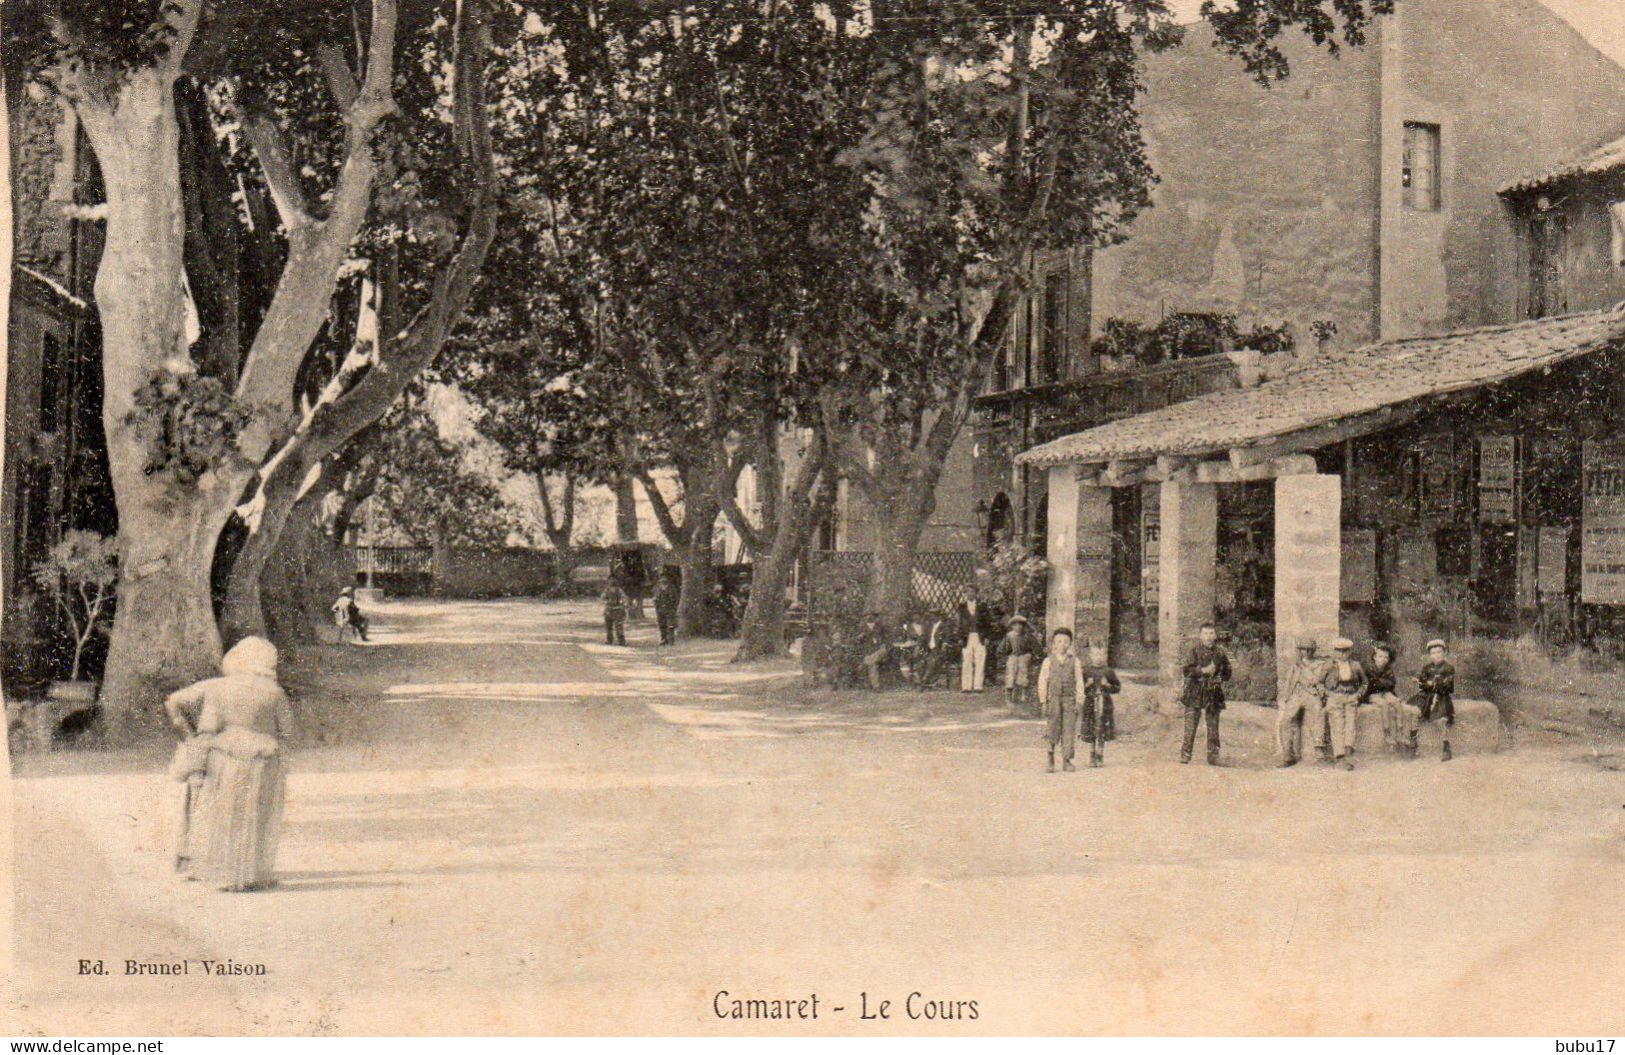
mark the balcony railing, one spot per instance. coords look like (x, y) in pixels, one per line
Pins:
(1072, 406)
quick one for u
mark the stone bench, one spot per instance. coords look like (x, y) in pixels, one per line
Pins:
(1478, 730)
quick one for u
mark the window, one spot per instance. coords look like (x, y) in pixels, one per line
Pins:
(1051, 329)
(1421, 173)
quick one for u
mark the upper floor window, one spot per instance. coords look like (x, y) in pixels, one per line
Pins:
(1421, 169)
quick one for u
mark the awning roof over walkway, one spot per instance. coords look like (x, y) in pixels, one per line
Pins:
(1335, 395)
(1605, 158)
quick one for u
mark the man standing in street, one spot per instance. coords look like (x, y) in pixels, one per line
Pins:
(666, 608)
(975, 628)
(614, 613)
(1206, 671)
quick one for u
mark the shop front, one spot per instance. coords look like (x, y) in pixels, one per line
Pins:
(1470, 483)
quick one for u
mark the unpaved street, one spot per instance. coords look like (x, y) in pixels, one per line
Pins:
(497, 824)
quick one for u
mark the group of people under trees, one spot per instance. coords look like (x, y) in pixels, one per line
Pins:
(969, 638)
(722, 609)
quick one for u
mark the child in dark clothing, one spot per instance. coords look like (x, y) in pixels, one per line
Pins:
(1100, 684)
(1436, 698)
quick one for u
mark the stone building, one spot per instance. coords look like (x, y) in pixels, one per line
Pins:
(55, 465)
(1353, 203)
(1469, 481)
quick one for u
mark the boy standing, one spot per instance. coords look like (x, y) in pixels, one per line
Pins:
(1100, 684)
(1436, 699)
(1301, 711)
(1061, 690)
(1016, 650)
(1345, 687)
(1206, 671)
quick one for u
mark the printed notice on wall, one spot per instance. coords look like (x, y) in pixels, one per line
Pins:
(1150, 556)
(1602, 529)
(1497, 479)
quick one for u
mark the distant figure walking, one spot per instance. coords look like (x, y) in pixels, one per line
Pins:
(231, 764)
(614, 614)
(666, 596)
(1206, 671)
(347, 615)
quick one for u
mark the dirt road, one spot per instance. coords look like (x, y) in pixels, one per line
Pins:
(498, 824)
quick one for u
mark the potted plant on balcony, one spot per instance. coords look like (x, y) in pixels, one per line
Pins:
(79, 575)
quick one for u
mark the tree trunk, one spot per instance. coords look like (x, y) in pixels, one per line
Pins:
(900, 509)
(306, 570)
(243, 615)
(696, 559)
(810, 497)
(626, 512)
(164, 633)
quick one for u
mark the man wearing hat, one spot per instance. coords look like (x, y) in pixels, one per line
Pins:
(1301, 711)
(1345, 687)
(1016, 650)
(1206, 670)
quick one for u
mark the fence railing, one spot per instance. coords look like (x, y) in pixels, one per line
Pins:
(395, 560)
(838, 580)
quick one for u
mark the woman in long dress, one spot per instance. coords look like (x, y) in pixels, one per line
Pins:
(232, 763)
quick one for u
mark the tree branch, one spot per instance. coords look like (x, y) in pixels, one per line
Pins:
(287, 194)
(675, 534)
(317, 250)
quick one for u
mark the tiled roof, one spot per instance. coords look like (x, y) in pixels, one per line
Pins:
(1336, 386)
(1605, 158)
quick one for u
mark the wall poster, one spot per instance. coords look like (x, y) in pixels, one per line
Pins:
(1602, 523)
(1150, 555)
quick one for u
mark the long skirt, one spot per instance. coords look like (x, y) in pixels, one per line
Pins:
(236, 821)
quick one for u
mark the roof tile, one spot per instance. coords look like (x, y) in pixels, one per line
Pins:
(1336, 386)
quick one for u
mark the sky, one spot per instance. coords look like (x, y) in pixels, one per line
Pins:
(1602, 22)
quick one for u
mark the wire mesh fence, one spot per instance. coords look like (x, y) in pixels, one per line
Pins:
(838, 580)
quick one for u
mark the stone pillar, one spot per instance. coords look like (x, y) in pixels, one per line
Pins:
(1190, 540)
(1308, 563)
(1062, 543)
(1093, 620)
